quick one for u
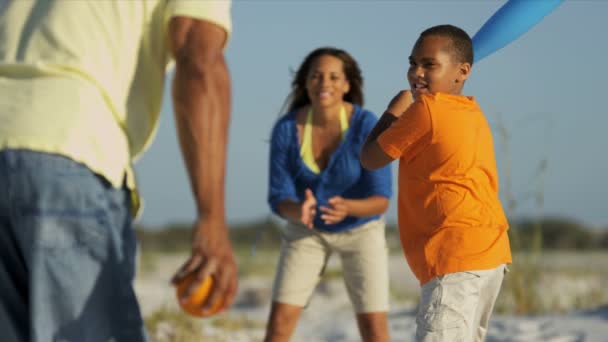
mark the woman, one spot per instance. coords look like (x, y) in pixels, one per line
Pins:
(330, 202)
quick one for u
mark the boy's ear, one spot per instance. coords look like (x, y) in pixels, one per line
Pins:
(464, 71)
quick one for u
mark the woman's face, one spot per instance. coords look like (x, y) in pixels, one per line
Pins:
(326, 83)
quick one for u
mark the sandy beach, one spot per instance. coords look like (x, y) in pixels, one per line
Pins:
(329, 316)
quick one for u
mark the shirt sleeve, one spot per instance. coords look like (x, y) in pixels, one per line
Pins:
(378, 182)
(215, 11)
(281, 183)
(410, 133)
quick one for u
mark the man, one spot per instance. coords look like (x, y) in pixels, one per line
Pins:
(81, 85)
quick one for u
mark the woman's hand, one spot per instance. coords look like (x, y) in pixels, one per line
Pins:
(336, 212)
(308, 209)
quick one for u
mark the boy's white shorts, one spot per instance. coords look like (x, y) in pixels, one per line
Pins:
(457, 306)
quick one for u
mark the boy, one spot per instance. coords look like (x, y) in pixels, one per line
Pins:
(452, 226)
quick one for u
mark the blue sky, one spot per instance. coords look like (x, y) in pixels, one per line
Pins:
(547, 89)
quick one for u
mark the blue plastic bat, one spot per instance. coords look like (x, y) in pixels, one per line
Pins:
(512, 20)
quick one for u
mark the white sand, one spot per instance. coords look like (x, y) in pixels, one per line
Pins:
(329, 316)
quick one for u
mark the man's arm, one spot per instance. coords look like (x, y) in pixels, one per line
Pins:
(201, 99)
(372, 155)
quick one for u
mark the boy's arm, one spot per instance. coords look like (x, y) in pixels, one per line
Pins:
(372, 155)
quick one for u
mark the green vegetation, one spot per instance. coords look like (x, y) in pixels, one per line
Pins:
(166, 325)
(172, 325)
(526, 288)
(533, 241)
(570, 254)
(561, 234)
(556, 234)
(176, 238)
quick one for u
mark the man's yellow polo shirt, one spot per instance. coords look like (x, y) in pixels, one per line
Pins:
(85, 79)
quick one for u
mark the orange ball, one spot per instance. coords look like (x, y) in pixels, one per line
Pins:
(193, 305)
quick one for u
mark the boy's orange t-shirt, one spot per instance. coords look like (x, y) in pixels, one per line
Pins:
(450, 216)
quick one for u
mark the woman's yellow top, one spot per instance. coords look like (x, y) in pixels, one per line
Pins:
(306, 149)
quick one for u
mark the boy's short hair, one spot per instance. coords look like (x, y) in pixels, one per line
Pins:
(462, 45)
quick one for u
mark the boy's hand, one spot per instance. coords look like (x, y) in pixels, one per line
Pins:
(400, 103)
(308, 209)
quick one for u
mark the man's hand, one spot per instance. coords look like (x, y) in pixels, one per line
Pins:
(400, 103)
(211, 256)
(308, 209)
(336, 212)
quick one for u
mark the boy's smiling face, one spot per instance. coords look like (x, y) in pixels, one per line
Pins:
(434, 67)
